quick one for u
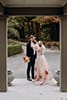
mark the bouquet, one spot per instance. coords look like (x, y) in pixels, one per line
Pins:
(26, 59)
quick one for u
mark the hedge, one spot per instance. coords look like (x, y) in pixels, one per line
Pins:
(14, 48)
(13, 34)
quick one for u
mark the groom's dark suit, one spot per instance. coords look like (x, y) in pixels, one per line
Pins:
(30, 53)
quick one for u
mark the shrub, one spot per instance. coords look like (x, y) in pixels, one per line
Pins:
(50, 44)
(13, 34)
(10, 41)
(14, 47)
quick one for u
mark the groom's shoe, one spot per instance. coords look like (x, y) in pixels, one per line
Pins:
(29, 79)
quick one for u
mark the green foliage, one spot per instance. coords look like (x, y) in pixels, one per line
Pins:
(16, 21)
(14, 47)
(13, 34)
(26, 25)
(47, 31)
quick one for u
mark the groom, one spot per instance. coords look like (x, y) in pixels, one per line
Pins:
(32, 54)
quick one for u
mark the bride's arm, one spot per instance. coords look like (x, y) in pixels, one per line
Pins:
(43, 49)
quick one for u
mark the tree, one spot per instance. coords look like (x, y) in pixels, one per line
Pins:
(16, 21)
(49, 25)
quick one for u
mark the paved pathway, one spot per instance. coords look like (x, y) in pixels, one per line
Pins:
(24, 90)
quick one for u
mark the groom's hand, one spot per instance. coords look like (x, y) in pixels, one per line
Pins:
(35, 41)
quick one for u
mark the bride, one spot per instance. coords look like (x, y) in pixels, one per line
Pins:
(42, 71)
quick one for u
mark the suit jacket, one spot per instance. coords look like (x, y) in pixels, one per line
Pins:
(29, 50)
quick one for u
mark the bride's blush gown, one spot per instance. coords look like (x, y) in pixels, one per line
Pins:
(43, 73)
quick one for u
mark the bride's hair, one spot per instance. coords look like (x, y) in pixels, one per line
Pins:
(40, 43)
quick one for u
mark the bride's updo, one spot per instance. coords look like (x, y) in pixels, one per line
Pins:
(40, 43)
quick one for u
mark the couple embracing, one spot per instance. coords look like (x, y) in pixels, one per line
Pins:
(40, 71)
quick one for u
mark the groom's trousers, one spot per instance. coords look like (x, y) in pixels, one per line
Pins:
(30, 67)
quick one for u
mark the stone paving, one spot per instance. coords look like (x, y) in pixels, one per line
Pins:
(25, 90)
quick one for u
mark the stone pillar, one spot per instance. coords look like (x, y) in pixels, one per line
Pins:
(63, 86)
(3, 55)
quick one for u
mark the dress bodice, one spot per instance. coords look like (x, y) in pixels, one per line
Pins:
(41, 50)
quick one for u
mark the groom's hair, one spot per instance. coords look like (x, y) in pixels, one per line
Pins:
(31, 36)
